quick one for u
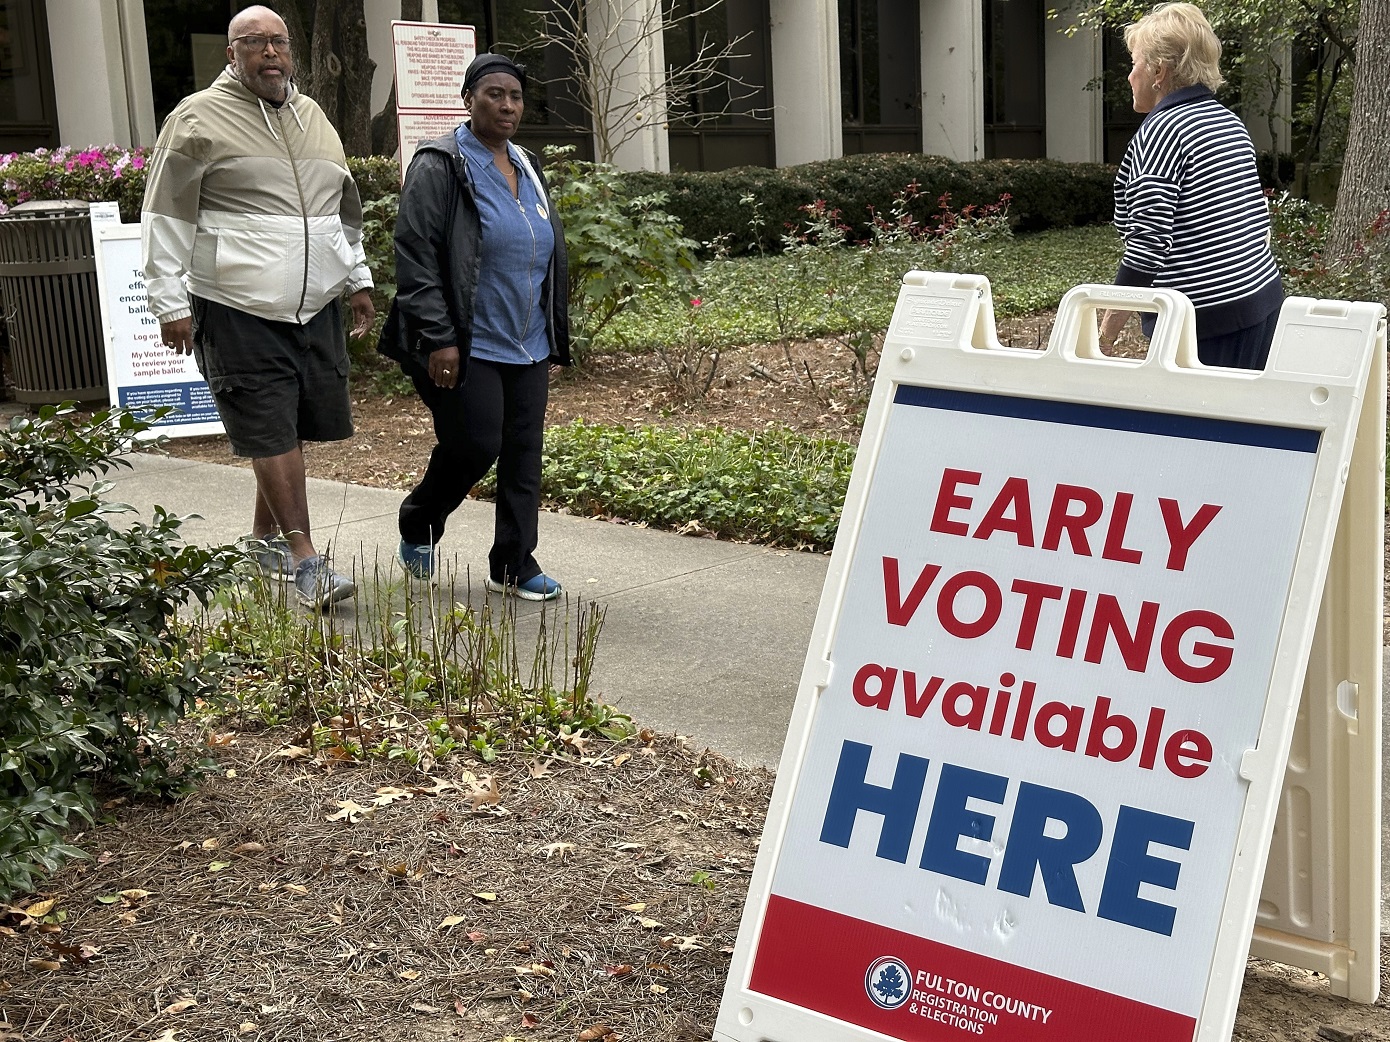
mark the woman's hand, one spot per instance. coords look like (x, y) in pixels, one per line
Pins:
(1110, 325)
(444, 367)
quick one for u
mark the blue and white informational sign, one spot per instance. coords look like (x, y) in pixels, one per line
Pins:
(142, 373)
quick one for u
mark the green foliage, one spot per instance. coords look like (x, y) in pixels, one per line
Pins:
(376, 176)
(775, 486)
(1043, 193)
(620, 245)
(415, 677)
(93, 663)
(819, 292)
(1300, 247)
(106, 174)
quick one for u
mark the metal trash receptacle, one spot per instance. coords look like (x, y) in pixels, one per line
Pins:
(48, 290)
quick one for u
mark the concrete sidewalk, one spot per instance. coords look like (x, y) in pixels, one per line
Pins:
(702, 637)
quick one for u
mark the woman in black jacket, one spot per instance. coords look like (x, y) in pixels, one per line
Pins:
(481, 313)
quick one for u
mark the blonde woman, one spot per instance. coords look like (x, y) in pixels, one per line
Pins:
(1188, 201)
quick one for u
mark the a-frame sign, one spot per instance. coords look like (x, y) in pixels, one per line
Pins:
(1038, 751)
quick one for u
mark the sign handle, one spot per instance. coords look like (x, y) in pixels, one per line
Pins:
(1173, 346)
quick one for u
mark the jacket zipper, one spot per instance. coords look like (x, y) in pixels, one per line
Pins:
(530, 301)
(303, 211)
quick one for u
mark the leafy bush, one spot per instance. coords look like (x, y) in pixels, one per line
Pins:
(758, 299)
(1044, 193)
(92, 662)
(775, 486)
(108, 173)
(1300, 245)
(619, 245)
(376, 176)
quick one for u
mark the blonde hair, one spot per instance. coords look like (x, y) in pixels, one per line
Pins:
(1178, 37)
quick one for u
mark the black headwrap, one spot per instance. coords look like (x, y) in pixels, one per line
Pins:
(484, 64)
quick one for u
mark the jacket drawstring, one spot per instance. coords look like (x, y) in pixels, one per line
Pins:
(290, 105)
(266, 116)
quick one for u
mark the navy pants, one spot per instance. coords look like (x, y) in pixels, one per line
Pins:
(497, 415)
(1246, 348)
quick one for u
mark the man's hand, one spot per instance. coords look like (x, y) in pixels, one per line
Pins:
(363, 314)
(444, 367)
(178, 335)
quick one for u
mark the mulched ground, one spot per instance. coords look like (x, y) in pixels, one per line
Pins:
(295, 897)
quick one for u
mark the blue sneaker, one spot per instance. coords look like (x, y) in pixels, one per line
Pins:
(417, 559)
(540, 587)
(271, 554)
(319, 586)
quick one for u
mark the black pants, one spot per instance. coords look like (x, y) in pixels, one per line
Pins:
(1246, 348)
(496, 416)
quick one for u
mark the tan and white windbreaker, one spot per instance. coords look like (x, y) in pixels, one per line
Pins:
(251, 206)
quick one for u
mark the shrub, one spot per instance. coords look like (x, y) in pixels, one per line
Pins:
(1299, 240)
(1044, 193)
(376, 176)
(92, 660)
(619, 245)
(106, 173)
(775, 486)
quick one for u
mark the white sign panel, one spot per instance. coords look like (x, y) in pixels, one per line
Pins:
(142, 373)
(431, 59)
(1052, 684)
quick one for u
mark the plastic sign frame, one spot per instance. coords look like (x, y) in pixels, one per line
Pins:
(794, 974)
(426, 110)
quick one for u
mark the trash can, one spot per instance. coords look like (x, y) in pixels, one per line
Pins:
(48, 290)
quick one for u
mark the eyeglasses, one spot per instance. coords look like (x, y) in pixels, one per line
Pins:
(257, 42)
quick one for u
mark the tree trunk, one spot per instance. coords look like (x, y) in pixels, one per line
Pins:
(1365, 188)
(358, 67)
(325, 65)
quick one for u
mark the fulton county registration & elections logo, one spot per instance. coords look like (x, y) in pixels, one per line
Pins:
(888, 982)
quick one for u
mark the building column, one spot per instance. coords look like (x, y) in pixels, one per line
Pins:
(1075, 114)
(101, 73)
(629, 77)
(953, 120)
(806, 81)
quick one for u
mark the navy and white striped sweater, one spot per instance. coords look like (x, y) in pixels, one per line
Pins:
(1189, 206)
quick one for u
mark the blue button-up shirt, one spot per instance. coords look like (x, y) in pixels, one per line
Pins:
(508, 318)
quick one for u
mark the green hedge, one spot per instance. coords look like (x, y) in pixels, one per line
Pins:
(1044, 193)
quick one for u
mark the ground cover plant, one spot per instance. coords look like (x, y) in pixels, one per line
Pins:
(93, 664)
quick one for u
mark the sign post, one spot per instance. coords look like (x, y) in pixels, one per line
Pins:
(431, 59)
(1034, 765)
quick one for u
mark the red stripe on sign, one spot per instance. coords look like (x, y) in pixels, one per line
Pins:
(924, 991)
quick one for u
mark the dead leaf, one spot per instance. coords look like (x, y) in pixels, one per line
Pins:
(683, 944)
(249, 848)
(388, 794)
(551, 849)
(211, 844)
(39, 909)
(409, 975)
(247, 1025)
(659, 989)
(486, 796)
(477, 936)
(486, 895)
(648, 924)
(452, 920)
(296, 888)
(167, 1035)
(621, 970)
(350, 811)
(214, 739)
(293, 752)
(537, 769)
(425, 1007)
(46, 964)
(621, 759)
(576, 741)
(530, 1021)
(134, 896)
(179, 1006)
(640, 906)
(593, 1032)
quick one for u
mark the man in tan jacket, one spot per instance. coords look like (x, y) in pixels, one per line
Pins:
(251, 233)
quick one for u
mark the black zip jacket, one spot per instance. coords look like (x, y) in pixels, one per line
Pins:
(438, 255)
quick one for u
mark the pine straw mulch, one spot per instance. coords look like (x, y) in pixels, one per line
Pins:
(291, 897)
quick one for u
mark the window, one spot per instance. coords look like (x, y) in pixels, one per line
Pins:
(880, 76)
(1015, 96)
(28, 115)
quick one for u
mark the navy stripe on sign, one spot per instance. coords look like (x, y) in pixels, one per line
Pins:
(1169, 425)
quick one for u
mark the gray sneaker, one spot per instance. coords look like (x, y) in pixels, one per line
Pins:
(272, 555)
(317, 585)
